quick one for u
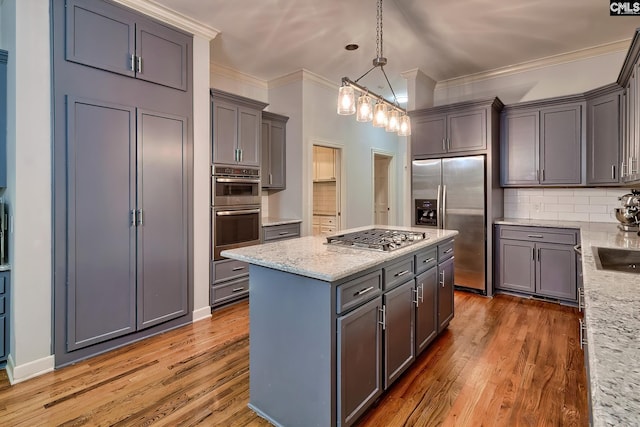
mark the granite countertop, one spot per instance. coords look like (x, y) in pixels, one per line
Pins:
(612, 317)
(5, 267)
(310, 256)
(272, 221)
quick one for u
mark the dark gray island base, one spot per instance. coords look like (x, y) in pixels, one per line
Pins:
(332, 327)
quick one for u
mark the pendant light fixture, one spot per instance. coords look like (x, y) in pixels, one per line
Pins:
(385, 114)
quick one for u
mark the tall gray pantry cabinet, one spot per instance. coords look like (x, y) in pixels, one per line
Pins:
(122, 177)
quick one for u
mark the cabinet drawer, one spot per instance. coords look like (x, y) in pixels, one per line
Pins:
(535, 234)
(445, 250)
(228, 269)
(2, 280)
(426, 259)
(328, 220)
(324, 229)
(278, 232)
(229, 291)
(358, 291)
(2, 299)
(398, 273)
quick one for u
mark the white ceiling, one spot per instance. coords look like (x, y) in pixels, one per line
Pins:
(444, 39)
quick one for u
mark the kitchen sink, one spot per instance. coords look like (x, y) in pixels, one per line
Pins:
(624, 260)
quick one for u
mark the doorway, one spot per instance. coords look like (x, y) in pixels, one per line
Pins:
(381, 189)
(326, 190)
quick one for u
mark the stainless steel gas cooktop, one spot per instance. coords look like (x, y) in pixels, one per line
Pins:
(377, 239)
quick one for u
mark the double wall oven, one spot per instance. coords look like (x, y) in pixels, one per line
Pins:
(235, 214)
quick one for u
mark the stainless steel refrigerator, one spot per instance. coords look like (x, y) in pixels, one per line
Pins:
(451, 193)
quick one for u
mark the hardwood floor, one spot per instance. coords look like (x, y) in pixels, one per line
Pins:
(504, 361)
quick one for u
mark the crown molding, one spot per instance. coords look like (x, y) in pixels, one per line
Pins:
(619, 46)
(301, 75)
(170, 16)
(233, 74)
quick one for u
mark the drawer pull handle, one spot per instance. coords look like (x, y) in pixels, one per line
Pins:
(428, 260)
(283, 233)
(535, 236)
(448, 250)
(402, 273)
(363, 291)
(237, 289)
(237, 268)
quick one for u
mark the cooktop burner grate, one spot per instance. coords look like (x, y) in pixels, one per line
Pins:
(377, 239)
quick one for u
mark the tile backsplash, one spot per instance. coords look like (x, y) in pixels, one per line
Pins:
(577, 204)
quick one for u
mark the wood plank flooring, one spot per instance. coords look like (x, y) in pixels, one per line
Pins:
(504, 361)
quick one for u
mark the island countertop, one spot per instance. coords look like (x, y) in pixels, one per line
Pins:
(310, 256)
(612, 317)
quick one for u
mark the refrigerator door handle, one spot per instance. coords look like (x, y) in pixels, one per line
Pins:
(444, 206)
(439, 202)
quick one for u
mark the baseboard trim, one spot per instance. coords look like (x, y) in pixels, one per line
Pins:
(201, 314)
(18, 374)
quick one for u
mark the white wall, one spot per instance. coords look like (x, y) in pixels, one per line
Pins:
(25, 28)
(201, 177)
(310, 103)
(547, 81)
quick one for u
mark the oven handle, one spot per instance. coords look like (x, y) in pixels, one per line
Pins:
(239, 180)
(239, 212)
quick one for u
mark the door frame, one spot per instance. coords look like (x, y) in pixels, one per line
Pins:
(391, 185)
(341, 182)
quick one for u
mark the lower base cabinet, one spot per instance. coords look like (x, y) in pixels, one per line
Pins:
(229, 281)
(360, 360)
(4, 316)
(380, 339)
(398, 331)
(537, 261)
(445, 293)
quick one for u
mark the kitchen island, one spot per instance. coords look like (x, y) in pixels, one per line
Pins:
(331, 327)
(612, 323)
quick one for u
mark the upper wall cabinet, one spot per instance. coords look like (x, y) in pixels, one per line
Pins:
(105, 36)
(274, 143)
(3, 118)
(629, 80)
(603, 135)
(452, 129)
(542, 143)
(236, 123)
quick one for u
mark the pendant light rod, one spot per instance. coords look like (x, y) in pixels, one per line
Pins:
(362, 89)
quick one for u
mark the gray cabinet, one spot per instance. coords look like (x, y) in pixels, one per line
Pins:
(104, 35)
(273, 233)
(445, 293)
(561, 144)
(426, 308)
(3, 118)
(603, 135)
(127, 251)
(542, 143)
(457, 128)
(274, 137)
(229, 281)
(537, 261)
(630, 165)
(359, 361)
(236, 128)
(398, 326)
(4, 314)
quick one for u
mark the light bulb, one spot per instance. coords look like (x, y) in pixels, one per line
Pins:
(365, 109)
(380, 115)
(393, 124)
(405, 126)
(346, 101)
